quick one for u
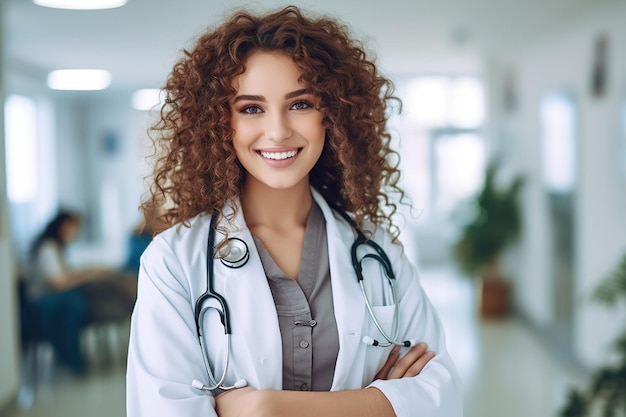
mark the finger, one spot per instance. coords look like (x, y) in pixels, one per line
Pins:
(419, 365)
(410, 358)
(391, 360)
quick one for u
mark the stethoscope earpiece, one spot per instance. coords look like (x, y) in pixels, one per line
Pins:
(200, 386)
(197, 384)
(373, 342)
(241, 383)
(369, 341)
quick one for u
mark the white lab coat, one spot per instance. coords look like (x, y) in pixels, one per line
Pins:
(165, 356)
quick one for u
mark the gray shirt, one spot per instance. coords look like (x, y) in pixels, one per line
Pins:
(305, 311)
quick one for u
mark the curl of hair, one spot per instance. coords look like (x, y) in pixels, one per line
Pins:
(196, 168)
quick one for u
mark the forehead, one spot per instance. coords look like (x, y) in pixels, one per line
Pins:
(268, 71)
(71, 221)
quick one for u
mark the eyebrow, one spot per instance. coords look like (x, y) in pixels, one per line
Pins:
(262, 98)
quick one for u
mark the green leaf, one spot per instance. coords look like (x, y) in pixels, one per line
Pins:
(613, 289)
(496, 222)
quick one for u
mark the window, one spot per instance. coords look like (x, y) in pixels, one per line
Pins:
(460, 160)
(559, 144)
(443, 157)
(623, 157)
(31, 179)
(21, 149)
(443, 154)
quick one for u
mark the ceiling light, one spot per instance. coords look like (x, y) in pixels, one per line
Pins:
(81, 4)
(146, 99)
(79, 79)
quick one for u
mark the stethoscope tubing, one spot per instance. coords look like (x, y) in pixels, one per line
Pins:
(213, 383)
(210, 291)
(384, 261)
(380, 256)
(224, 314)
(391, 340)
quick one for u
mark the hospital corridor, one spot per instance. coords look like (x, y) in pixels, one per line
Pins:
(508, 141)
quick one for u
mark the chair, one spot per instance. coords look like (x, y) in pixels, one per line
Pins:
(32, 343)
(110, 306)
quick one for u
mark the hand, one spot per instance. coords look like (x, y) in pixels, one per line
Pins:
(409, 365)
(97, 273)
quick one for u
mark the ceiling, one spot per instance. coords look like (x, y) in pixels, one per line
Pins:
(140, 41)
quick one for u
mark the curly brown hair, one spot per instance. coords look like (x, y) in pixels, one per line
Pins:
(196, 168)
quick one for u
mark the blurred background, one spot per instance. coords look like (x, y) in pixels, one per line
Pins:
(513, 147)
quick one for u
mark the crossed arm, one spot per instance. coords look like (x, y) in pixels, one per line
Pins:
(366, 402)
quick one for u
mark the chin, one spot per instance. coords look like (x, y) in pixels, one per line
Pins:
(282, 184)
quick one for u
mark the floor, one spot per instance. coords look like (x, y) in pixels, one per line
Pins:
(506, 369)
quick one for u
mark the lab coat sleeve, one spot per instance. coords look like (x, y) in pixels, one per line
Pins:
(164, 354)
(436, 391)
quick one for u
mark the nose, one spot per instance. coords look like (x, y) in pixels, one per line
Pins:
(277, 127)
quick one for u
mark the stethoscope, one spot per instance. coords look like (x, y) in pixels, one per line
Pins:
(235, 254)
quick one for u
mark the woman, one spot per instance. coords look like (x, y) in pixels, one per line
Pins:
(67, 299)
(274, 125)
(62, 309)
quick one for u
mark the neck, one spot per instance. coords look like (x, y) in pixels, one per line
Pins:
(277, 208)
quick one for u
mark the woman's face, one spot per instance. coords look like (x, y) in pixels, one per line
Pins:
(279, 134)
(69, 230)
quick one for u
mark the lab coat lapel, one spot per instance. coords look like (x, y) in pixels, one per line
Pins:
(348, 303)
(256, 350)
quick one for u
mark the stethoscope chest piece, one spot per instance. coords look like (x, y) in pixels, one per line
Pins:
(235, 253)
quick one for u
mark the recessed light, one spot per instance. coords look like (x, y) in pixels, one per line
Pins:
(79, 79)
(146, 99)
(81, 4)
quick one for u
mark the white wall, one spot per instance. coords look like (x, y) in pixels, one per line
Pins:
(72, 169)
(563, 60)
(9, 380)
(105, 184)
(118, 173)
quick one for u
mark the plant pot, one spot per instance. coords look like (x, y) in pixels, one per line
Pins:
(495, 298)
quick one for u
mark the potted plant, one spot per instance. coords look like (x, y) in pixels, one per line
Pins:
(606, 394)
(495, 223)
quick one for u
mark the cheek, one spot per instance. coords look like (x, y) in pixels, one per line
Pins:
(242, 136)
(240, 148)
(319, 131)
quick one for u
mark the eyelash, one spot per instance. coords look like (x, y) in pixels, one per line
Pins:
(246, 109)
(305, 102)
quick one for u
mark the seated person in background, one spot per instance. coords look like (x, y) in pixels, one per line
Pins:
(62, 309)
(66, 299)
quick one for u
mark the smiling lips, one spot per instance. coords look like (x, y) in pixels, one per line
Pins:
(279, 156)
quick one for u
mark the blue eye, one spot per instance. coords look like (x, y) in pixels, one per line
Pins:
(301, 105)
(251, 110)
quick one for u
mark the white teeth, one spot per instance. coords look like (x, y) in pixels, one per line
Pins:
(278, 155)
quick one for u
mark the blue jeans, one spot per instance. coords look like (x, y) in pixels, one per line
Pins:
(62, 315)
